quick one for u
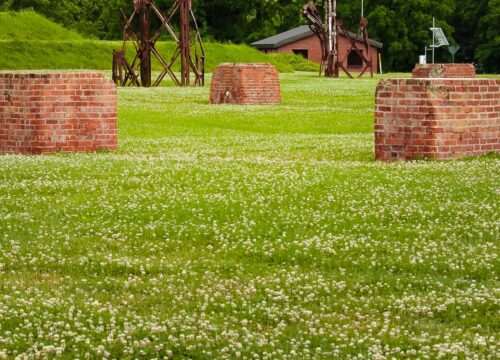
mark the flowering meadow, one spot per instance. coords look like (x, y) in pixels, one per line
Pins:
(237, 232)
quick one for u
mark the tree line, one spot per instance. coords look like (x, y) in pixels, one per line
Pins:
(402, 25)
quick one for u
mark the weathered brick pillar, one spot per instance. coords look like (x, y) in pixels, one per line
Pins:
(248, 84)
(444, 71)
(50, 112)
(436, 118)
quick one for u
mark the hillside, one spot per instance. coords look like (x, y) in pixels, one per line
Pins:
(96, 55)
(29, 41)
(28, 25)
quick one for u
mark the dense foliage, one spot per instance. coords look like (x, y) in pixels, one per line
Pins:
(403, 25)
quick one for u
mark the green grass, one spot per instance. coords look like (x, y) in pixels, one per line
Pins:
(29, 41)
(263, 232)
(96, 55)
(28, 25)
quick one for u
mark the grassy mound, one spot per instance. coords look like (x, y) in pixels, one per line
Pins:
(28, 25)
(29, 41)
(96, 55)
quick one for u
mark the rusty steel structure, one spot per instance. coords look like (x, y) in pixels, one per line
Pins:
(138, 72)
(326, 35)
(328, 31)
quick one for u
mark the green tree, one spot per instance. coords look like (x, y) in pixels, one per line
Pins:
(488, 51)
(403, 27)
(466, 24)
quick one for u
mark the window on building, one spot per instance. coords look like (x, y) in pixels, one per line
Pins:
(302, 52)
(354, 60)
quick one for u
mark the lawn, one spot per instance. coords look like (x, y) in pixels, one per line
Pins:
(266, 232)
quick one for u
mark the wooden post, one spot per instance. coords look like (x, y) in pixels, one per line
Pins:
(336, 65)
(145, 19)
(185, 43)
(331, 39)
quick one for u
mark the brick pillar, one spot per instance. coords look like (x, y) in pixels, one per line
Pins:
(444, 71)
(436, 118)
(248, 84)
(49, 112)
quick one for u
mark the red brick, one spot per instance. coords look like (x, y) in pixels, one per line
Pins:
(444, 71)
(463, 124)
(248, 84)
(54, 112)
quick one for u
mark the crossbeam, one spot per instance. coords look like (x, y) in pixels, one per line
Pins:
(189, 47)
(328, 33)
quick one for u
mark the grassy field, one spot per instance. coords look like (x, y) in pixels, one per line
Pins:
(29, 41)
(266, 232)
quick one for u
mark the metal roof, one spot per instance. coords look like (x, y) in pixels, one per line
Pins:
(293, 35)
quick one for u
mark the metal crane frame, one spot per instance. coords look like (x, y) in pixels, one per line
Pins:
(138, 72)
(328, 32)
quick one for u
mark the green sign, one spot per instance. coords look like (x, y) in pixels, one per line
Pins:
(453, 49)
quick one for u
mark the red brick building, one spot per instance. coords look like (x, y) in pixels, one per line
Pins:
(302, 41)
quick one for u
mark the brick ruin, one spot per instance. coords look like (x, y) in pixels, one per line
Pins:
(52, 112)
(444, 71)
(436, 118)
(245, 84)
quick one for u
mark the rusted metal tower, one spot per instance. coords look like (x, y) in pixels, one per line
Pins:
(331, 20)
(328, 34)
(138, 72)
(364, 53)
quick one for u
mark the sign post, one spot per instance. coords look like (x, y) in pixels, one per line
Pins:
(453, 49)
(438, 38)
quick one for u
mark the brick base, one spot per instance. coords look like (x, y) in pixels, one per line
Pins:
(444, 71)
(50, 112)
(248, 84)
(436, 118)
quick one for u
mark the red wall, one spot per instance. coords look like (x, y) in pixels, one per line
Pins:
(436, 118)
(50, 112)
(248, 84)
(313, 46)
(444, 71)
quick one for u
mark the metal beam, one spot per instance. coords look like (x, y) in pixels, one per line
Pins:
(144, 43)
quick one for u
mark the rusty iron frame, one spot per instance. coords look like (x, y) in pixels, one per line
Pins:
(367, 60)
(138, 72)
(328, 34)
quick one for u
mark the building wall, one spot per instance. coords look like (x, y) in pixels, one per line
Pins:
(313, 46)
